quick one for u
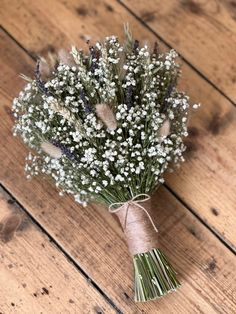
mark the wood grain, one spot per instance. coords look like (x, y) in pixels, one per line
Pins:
(35, 277)
(94, 240)
(204, 32)
(206, 182)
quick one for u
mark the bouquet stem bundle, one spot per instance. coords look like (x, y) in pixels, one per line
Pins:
(154, 276)
(106, 124)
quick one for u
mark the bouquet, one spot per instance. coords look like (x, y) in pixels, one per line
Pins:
(106, 124)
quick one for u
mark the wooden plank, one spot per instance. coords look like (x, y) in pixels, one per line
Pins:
(94, 240)
(211, 159)
(204, 32)
(35, 277)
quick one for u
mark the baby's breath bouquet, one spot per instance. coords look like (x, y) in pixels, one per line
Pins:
(105, 125)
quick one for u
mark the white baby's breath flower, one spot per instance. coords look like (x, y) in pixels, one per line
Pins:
(196, 106)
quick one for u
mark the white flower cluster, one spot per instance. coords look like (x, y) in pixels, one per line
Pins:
(58, 120)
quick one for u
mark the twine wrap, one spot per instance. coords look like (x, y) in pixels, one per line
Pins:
(153, 274)
(136, 221)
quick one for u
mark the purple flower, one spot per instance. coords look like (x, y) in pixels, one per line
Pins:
(65, 150)
(87, 106)
(39, 81)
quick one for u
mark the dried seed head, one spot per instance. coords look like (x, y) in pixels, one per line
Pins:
(165, 128)
(65, 58)
(52, 150)
(66, 114)
(44, 68)
(52, 59)
(107, 116)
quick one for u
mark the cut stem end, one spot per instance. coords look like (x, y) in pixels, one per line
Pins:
(154, 276)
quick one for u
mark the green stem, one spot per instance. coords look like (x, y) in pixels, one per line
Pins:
(154, 276)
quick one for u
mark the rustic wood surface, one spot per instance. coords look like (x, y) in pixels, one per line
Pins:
(35, 276)
(195, 211)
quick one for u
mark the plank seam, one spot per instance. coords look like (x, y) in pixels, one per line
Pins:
(226, 243)
(70, 259)
(17, 43)
(180, 55)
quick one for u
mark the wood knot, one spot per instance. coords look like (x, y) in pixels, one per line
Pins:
(8, 226)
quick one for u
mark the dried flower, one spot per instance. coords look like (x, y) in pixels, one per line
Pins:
(65, 58)
(165, 128)
(51, 150)
(64, 150)
(65, 113)
(44, 68)
(40, 83)
(107, 116)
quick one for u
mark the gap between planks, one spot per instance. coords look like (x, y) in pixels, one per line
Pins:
(61, 249)
(218, 235)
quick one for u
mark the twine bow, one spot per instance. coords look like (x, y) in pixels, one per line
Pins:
(134, 201)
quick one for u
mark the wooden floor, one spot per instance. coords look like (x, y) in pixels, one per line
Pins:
(56, 257)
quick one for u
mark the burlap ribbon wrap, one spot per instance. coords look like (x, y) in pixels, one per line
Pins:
(136, 220)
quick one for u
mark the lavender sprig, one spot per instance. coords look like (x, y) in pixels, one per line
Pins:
(65, 150)
(40, 83)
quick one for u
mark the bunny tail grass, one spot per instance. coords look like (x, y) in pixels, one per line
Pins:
(154, 276)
